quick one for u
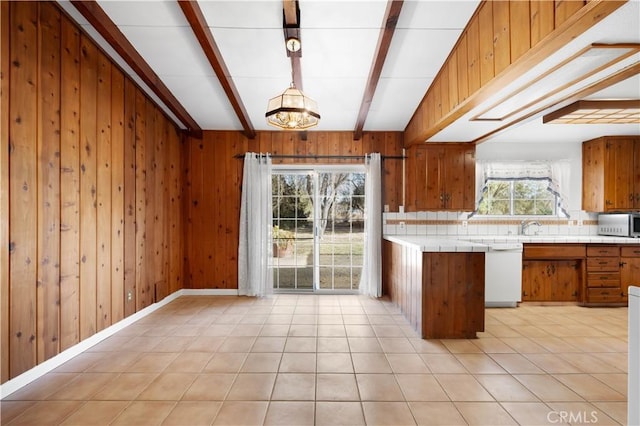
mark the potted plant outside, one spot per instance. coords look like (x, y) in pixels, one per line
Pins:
(282, 241)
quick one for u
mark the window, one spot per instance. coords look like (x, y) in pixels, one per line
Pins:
(514, 197)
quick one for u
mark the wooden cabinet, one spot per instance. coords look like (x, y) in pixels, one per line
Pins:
(611, 173)
(629, 268)
(552, 272)
(603, 275)
(440, 177)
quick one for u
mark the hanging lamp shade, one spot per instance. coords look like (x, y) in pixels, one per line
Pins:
(292, 110)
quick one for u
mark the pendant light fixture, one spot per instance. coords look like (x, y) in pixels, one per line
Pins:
(292, 109)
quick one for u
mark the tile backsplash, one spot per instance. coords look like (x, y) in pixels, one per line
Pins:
(459, 223)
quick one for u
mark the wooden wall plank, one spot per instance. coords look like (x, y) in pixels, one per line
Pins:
(130, 206)
(519, 17)
(88, 186)
(176, 239)
(23, 186)
(542, 19)
(473, 52)
(486, 43)
(566, 8)
(141, 264)
(117, 195)
(501, 36)
(5, 35)
(454, 97)
(103, 195)
(70, 187)
(159, 283)
(48, 171)
(463, 60)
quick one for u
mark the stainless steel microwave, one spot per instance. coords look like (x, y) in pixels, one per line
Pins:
(619, 224)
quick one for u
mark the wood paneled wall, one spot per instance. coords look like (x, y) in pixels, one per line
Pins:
(213, 189)
(91, 208)
(502, 41)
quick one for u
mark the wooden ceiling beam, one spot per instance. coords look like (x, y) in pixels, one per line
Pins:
(98, 18)
(198, 24)
(291, 27)
(391, 16)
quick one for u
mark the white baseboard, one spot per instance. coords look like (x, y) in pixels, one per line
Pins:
(39, 370)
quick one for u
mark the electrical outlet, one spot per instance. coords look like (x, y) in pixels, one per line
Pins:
(386, 208)
(129, 296)
(579, 222)
(465, 223)
(401, 225)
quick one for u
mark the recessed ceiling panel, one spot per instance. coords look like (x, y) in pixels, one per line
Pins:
(394, 103)
(448, 14)
(328, 14)
(256, 93)
(338, 100)
(144, 13)
(242, 14)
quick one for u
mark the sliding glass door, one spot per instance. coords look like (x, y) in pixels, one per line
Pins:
(318, 228)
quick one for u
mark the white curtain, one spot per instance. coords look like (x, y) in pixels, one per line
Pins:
(371, 278)
(254, 252)
(556, 172)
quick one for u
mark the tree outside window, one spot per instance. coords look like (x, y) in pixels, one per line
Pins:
(517, 197)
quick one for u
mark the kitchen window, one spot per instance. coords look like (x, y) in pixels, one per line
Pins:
(521, 188)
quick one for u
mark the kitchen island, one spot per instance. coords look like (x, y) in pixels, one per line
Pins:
(438, 284)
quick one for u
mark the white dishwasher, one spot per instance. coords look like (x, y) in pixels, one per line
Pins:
(503, 274)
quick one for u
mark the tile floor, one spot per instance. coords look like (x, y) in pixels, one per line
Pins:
(330, 360)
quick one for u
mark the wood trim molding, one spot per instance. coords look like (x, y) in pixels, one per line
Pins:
(98, 18)
(391, 15)
(198, 24)
(580, 21)
(621, 75)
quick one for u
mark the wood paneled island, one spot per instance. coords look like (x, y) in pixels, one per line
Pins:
(437, 284)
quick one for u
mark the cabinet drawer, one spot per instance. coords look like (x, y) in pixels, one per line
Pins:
(554, 251)
(603, 264)
(628, 251)
(603, 251)
(603, 280)
(604, 295)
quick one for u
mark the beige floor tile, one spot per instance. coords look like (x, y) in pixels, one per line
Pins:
(479, 364)
(547, 388)
(355, 319)
(115, 362)
(237, 344)
(126, 387)
(262, 362)
(269, 344)
(334, 362)
(407, 363)
(484, 413)
(287, 413)
(152, 363)
(492, 345)
(589, 387)
(304, 319)
(278, 319)
(370, 363)
(303, 330)
(252, 387)
(359, 330)
(330, 319)
(552, 363)
(110, 344)
(331, 330)
(193, 413)
(205, 344)
(144, 413)
(81, 362)
(396, 345)
(526, 345)
(298, 362)
(241, 413)
(188, 330)
(41, 388)
(617, 410)
(294, 387)
(505, 388)
(443, 363)
(46, 413)
(336, 387)
(189, 362)
(275, 330)
(378, 387)
(209, 387)
(142, 343)
(421, 387)
(381, 320)
(388, 331)
(300, 344)
(529, 413)
(436, 413)
(387, 413)
(337, 413)
(226, 362)
(174, 344)
(425, 346)
(364, 344)
(167, 387)
(589, 364)
(460, 346)
(578, 413)
(462, 387)
(616, 381)
(83, 387)
(547, 344)
(615, 359)
(9, 410)
(333, 344)
(96, 413)
(516, 364)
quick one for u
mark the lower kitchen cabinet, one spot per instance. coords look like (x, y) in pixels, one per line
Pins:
(552, 272)
(603, 283)
(629, 268)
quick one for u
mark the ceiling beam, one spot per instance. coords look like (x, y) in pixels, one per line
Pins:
(391, 16)
(198, 24)
(98, 18)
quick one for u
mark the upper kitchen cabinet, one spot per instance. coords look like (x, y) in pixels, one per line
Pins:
(611, 174)
(440, 177)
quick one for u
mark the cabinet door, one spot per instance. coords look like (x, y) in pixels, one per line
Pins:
(636, 176)
(550, 280)
(629, 274)
(619, 191)
(434, 196)
(458, 178)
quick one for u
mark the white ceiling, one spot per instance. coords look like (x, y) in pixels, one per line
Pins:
(338, 44)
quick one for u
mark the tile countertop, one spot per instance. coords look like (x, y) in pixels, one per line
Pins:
(478, 243)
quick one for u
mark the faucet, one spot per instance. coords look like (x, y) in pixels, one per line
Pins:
(525, 224)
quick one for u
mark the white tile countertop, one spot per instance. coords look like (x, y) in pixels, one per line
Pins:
(479, 243)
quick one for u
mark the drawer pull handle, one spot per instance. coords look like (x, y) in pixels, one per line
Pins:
(602, 263)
